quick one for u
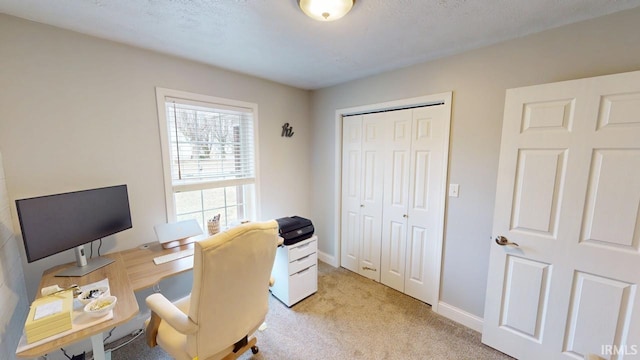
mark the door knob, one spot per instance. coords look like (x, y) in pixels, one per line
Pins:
(502, 241)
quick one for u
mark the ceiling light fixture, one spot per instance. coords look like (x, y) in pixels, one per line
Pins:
(326, 10)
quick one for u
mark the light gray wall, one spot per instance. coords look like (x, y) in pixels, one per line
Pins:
(80, 112)
(478, 80)
(13, 294)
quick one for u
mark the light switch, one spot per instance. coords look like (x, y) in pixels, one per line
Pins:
(453, 190)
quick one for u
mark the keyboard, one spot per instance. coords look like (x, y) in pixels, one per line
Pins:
(172, 256)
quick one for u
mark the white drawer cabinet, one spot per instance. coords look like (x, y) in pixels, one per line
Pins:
(295, 271)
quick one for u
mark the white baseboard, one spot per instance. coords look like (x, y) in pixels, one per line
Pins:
(460, 316)
(329, 259)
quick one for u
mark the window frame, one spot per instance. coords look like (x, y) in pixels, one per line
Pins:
(169, 188)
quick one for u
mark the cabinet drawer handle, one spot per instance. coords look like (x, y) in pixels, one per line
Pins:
(303, 271)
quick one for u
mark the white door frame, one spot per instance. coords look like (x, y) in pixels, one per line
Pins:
(444, 98)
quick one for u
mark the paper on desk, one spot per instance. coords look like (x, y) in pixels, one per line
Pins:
(47, 309)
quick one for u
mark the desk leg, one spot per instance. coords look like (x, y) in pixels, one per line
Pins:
(98, 347)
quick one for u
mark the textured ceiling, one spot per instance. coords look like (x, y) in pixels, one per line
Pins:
(273, 39)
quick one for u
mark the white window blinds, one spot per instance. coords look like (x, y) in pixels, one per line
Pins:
(209, 143)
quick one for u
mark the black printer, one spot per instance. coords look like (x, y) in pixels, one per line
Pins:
(294, 229)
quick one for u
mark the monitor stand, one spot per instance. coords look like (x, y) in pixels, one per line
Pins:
(84, 266)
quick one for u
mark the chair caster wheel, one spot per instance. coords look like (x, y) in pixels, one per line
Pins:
(254, 349)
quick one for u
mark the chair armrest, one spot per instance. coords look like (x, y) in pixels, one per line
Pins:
(279, 243)
(168, 312)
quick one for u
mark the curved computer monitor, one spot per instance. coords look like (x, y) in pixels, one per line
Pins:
(55, 223)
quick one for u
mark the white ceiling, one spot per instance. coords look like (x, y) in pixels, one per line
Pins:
(273, 39)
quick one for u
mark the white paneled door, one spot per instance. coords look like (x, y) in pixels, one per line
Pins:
(413, 206)
(426, 206)
(396, 199)
(394, 166)
(362, 166)
(374, 134)
(565, 258)
(351, 168)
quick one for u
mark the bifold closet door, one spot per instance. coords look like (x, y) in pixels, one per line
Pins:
(396, 199)
(374, 132)
(362, 184)
(393, 173)
(429, 147)
(351, 169)
(413, 183)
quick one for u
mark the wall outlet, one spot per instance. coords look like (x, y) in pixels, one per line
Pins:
(454, 190)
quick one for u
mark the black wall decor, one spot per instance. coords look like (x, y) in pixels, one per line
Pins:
(287, 130)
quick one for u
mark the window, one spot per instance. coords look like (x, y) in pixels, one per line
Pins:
(208, 150)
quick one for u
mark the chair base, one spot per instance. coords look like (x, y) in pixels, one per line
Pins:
(251, 344)
(152, 332)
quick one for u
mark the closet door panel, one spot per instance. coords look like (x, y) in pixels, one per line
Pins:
(393, 254)
(374, 130)
(426, 187)
(351, 190)
(416, 260)
(369, 250)
(420, 183)
(370, 185)
(350, 240)
(418, 255)
(396, 196)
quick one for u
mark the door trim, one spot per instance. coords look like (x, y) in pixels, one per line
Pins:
(444, 98)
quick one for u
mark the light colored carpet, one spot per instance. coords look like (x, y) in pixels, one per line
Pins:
(351, 317)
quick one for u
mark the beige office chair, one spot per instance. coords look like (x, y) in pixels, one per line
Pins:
(228, 301)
